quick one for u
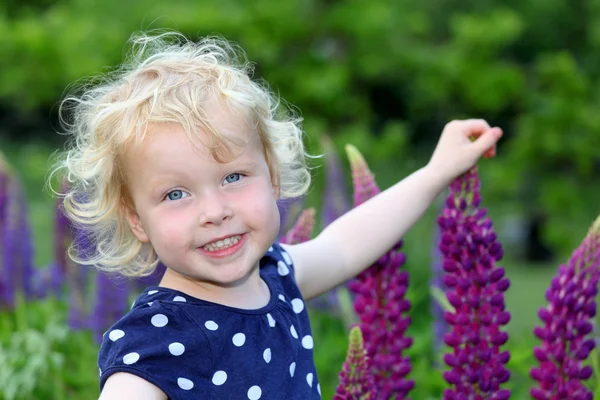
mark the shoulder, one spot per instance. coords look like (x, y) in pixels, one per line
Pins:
(159, 343)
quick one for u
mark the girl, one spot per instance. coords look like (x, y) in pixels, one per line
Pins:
(181, 157)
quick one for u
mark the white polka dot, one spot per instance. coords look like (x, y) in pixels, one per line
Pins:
(132, 305)
(271, 320)
(159, 320)
(271, 248)
(292, 369)
(131, 358)
(116, 334)
(286, 257)
(309, 379)
(219, 378)
(185, 383)
(293, 332)
(254, 393)
(319, 388)
(150, 304)
(99, 371)
(211, 325)
(179, 298)
(282, 268)
(176, 348)
(281, 297)
(239, 339)
(297, 305)
(307, 342)
(153, 292)
(267, 355)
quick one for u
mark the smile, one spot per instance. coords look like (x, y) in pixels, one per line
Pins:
(222, 244)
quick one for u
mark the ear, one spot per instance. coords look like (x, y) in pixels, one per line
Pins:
(134, 222)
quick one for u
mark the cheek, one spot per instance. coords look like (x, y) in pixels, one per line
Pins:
(168, 231)
(261, 206)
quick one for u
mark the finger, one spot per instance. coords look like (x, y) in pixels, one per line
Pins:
(486, 144)
(474, 126)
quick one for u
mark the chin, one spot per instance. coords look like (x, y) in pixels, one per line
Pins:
(233, 278)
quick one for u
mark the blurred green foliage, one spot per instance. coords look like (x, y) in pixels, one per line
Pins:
(389, 69)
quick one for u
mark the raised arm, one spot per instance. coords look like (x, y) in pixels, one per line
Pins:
(358, 238)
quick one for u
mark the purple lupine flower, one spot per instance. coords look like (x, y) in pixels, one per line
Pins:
(302, 229)
(63, 236)
(289, 209)
(24, 246)
(439, 325)
(380, 302)
(336, 200)
(78, 277)
(17, 250)
(64, 272)
(567, 322)
(47, 282)
(5, 286)
(110, 303)
(356, 380)
(475, 289)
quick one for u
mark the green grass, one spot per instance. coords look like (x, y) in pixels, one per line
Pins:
(526, 295)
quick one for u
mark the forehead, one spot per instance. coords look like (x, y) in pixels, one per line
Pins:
(214, 128)
(168, 147)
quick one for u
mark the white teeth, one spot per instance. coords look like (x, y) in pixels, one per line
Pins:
(222, 244)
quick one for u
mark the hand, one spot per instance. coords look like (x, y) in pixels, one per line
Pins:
(461, 145)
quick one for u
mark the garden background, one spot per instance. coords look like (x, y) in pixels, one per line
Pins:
(383, 75)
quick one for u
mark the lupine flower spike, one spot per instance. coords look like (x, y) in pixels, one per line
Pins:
(110, 303)
(62, 240)
(69, 238)
(78, 279)
(476, 291)
(16, 249)
(356, 381)
(59, 269)
(336, 201)
(567, 324)
(289, 210)
(436, 284)
(302, 229)
(380, 302)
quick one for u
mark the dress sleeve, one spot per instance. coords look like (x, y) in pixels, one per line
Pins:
(285, 265)
(159, 343)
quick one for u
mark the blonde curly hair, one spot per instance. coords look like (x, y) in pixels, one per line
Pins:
(165, 78)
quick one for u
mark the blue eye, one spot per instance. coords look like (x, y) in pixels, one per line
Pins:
(176, 194)
(231, 178)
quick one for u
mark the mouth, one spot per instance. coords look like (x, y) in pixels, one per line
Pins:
(222, 244)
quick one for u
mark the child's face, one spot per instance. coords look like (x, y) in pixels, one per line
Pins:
(208, 221)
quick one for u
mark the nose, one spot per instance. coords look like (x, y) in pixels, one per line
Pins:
(214, 209)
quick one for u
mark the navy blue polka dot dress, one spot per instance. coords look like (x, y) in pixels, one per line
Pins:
(194, 349)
